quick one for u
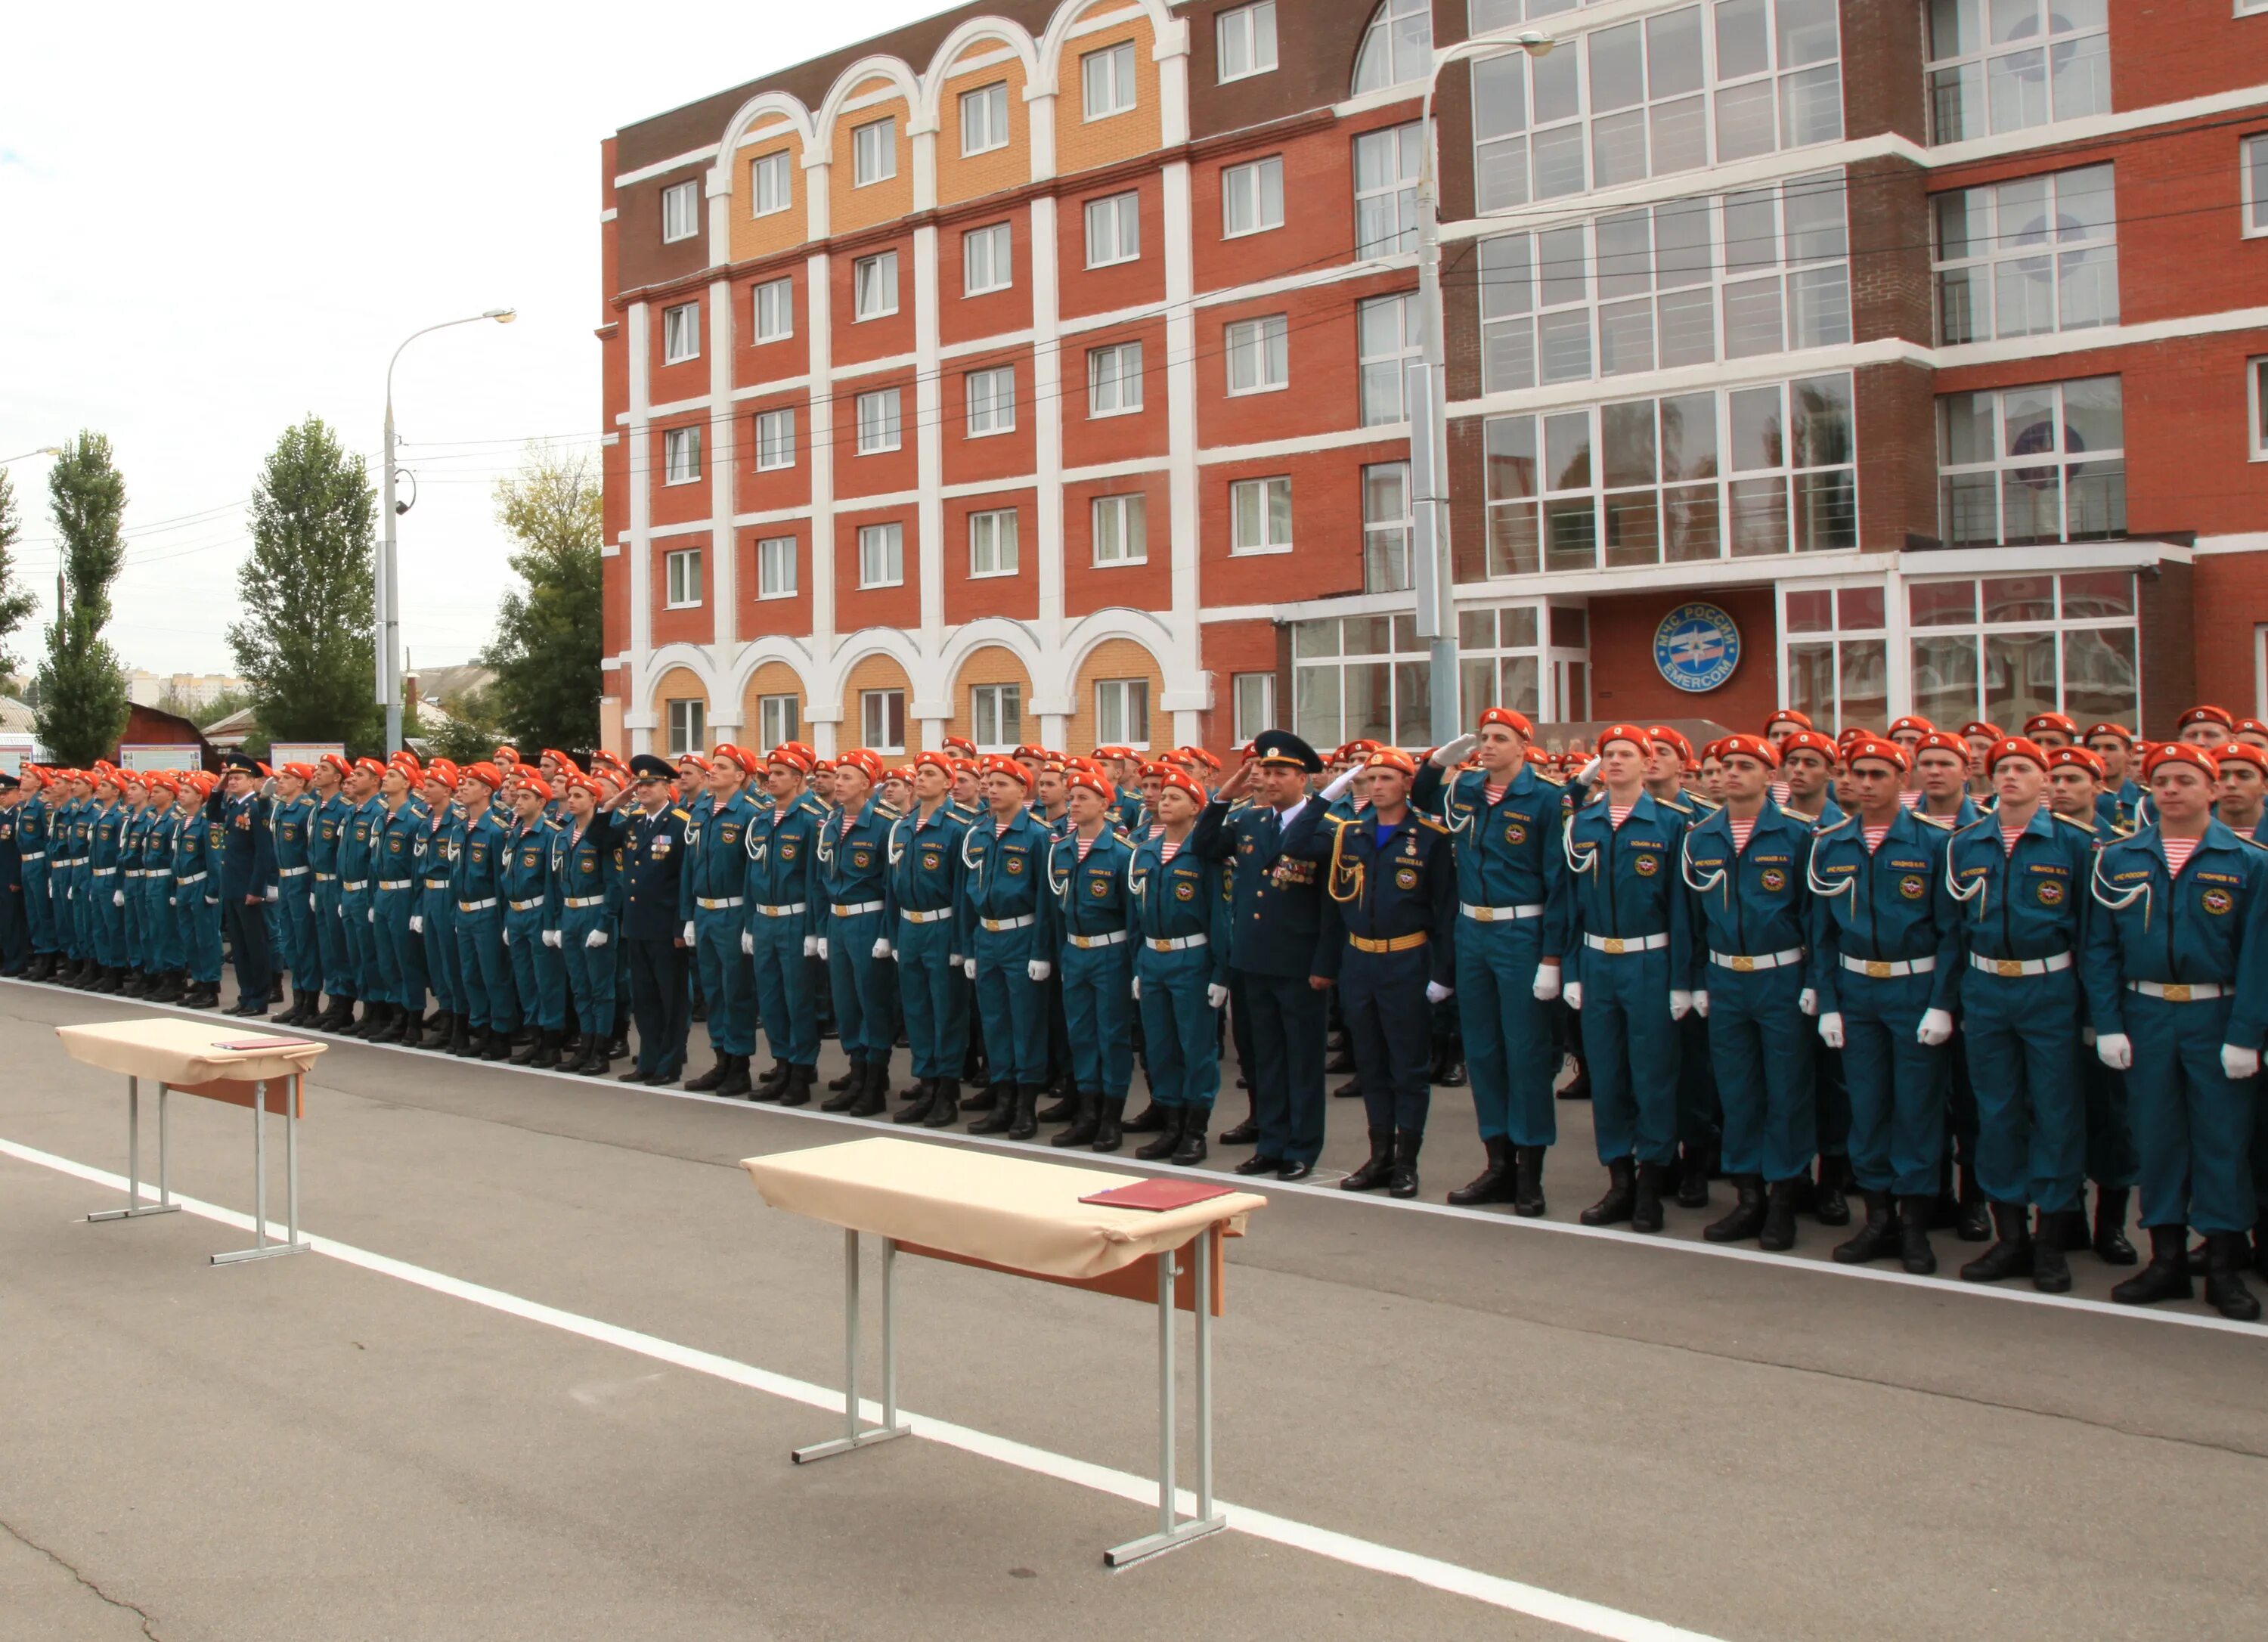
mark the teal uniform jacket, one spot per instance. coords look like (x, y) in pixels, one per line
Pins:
(1753, 903)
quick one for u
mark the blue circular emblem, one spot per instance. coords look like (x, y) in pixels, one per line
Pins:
(1696, 647)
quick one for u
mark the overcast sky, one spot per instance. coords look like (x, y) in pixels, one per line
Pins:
(221, 218)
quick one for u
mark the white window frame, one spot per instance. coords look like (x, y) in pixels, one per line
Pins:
(779, 720)
(988, 260)
(1004, 705)
(2043, 256)
(1257, 187)
(881, 425)
(689, 725)
(772, 311)
(1257, 355)
(1952, 80)
(1128, 529)
(680, 212)
(2256, 405)
(1108, 81)
(1111, 371)
(1390, 368)
(1390, 56)
(990, 126)
(680, 455)
(876, 709)
(873, 280)
(1384, 649)
(1845, 652)
(1248, 32)
(990, 395)
(776, 573)
(2062, 628)
(993, 549)
(1118, 218)
(1398, 193)
(882, 555)
(681, 579)
(1259, 516)
(2252, 182)
(2012, 469)
(1252, 699)
(681, 333)
(1131, 695)
(874, 152)
(776, 439)
(771, 178)
(1387, 540)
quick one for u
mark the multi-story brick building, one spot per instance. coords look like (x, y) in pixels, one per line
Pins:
(1036, 371)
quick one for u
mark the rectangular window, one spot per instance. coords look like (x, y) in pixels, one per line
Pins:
(779, 719)
(878, 422)
(775, 303)
(1121, 536)
(1121, 713)
(1114, 379)
(1387, 329)
(882, 720)
(680, 455)
(775, 439)
(1372, 675)
(682, 569)
(875, 286)
(991, 401)
(2027, 257)
(2253, 184)
(2255, 389)
(984, 119)
(1259, 356)
(2045, 463)
(1386, 191)
(1838, 655)
(680, 212)
(1114, 230)
(1254, 697)
(1259, 516)
(681, 333)
(882, 555)
(1246, 39)
(874, 152)
(2005, 647)
(986, 261)
(776, 576)
(688, 727)
(993, 543)
(1385, 528)
(1991, 67)
(996, 717)
(771, 183)
(1251, 197)
(1105, 80)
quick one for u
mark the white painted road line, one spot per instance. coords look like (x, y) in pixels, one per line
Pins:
(1591, 1618)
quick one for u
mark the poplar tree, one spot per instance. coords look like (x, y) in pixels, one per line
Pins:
(82, 690)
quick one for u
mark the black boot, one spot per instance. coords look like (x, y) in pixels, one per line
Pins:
(736, 1077)
(546, 1057)
(460, 1037)
(874, 1099)
(335, 1015)
(925, 1101)
(1061, 1109)
(1829, 1205)
(774, 1080)
(1493, 1183)
(574, 1051)
(1244, 1134)
(498, 1046)
(1975, 1222)
(2051, 1270)
(113, 982)
(1748, 1216)
(1148, 1120)
(1453, 1074)
(292, 1017)
(1027, 1123)
(1646, 1206)
(1110, 1127)
(1191, 1151)
(801, 1080)
(2110, 1241)
(707, 1081)
(1614, 1208)
(1877, 1238)
(599, 1060)
(983, 1100)
(1351, 1090)
(275, 990)
(1778, 1233)
(1085, 1125)
(919, 1093)
(2012, 1255)
(1914, 1252)
(2224, 1279)
(850, 1089)
(170, 991)
(996, 1120)
(2166, 1277)
(1528, 1181)
(442, 1032)
(1579, 1086)
(1695, 1166)
(1379, 1170)
(945, 1106)
(1403, 1183)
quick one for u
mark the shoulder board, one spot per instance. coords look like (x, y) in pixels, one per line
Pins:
(1340, 821)
(1549, 781)
(889, 812)
(679, 814)
(1836, 827)
(1948, 822)
(1671, 804)
(1943, 823)
(1798, 815)
(2072, 820)
(2254, 842)
(1119, 833)
(1428, 822)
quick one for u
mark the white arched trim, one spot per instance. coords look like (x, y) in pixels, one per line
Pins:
(758, 652)
(1167, 35)
(891, 69)
(1083, 637)
(892, 642)
(991, 632)
(659, 663)
(977, 29)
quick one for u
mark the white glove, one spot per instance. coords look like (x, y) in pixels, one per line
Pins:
(2240, 1064)
(1547, 981)
(1216, 996)
(2115, 1050)
(551, 939)
(811, 946)
(1807, 1001)
(173, 901)
(748, 944)
(1436, 993)
(1138, 989)
(1337, 790)
(1038, 968)
(882, 948)
(953, 958)
(1572, 991)
(1681, 1004)
(416, 925)
(1936, 1027)
(507, 937)
(968, 968)
(371, 917)
(688, 931)
(1830, 1028)
(821, 954)
(598, 938)
(117, 897)
(311, 903)
(274, 893)
(1454, 752)
(1701, 1004)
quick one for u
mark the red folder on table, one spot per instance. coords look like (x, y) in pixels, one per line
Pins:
(1157, 1196)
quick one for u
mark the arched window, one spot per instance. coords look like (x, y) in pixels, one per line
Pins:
(1398, 46)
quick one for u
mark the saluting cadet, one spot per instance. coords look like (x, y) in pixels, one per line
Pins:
(2176, 979)
(435, 922)
(530, 927)
(1087, 873)
(854, 850)
(483, 962)
(922, 892)
(710, 898)
(2020, 874)
(401, 950)
(785, 914)
(358, 846)
(653, 857)
(293, 816)
(15, 929)
(1181, 969)
(1275, 922)
(33, 816)
(584, 866)
(197, 895)
(245, 866)
(1003, 899)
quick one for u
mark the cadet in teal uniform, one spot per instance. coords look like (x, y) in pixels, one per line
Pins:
(922, 893)
(784, 911)
(531, 925)
(1003, 950)
(583, 869)
(710, 895)
(133, 828)
(358, 844)
(401, 949)
(1181, 904)
(333, 971)
(854, 860)
(435, 922)
(15, 931)
(2117, 806)
(196, 898)
(160, 921)
(291, 817)
(1092, 907)
(483, 964)
(105, 874)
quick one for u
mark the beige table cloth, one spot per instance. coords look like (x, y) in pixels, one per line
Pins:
(185, 1052)
(1017, 1212)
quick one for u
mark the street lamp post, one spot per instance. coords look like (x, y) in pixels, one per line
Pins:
(387, 604)
(1433, 577)
(44, 450)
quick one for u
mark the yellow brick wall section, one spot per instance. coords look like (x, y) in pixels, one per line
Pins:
(774, 678)
(851, 208)
(782, 230)
(996, 169)
(874, 673)
(1116, 658)
(676, 685)
(1081, 143)
(991, 664)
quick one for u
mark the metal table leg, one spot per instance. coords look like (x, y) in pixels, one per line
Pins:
(1172, 1532)
(852, 1436)
(261, 1248)
(135, 1207)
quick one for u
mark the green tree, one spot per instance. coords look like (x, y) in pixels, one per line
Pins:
(307, 587)
(545, 653)
(82, 688)
(16, 601)
(468, 732)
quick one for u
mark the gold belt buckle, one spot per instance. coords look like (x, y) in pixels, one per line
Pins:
(1613, 947)
(1741, 964)
(1877, 969)
(2177, 994)
(1485, 915)
(2007, 968)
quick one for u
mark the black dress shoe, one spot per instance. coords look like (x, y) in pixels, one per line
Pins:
(1256, 1165)
(1453, 1074)
(1348, 1091)
(1295, 1169)
(1243, 1134)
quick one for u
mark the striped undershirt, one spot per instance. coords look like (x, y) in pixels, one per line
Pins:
(1874, 836)
(2178, 851)
(1741, 831)
(1617, 814)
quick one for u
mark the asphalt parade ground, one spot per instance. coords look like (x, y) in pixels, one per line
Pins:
(541, 1377)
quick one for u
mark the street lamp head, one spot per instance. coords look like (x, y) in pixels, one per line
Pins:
(1535, 44)
(502, 316)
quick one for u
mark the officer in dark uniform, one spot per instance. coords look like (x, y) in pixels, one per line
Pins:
(1275, 925)
(245, 868)
(653, 943)
(15, 928)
